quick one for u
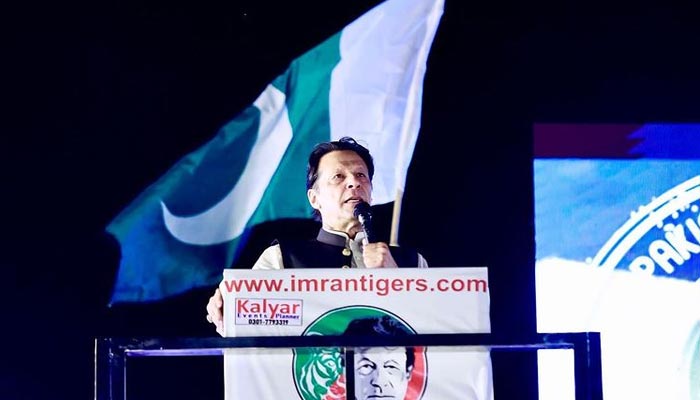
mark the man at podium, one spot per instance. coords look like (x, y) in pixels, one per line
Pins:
(339, 189)
(339, 183)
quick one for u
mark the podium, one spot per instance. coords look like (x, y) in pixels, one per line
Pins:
(113, 355)
(332, 334)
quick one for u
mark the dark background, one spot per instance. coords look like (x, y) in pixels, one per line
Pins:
(101, 98)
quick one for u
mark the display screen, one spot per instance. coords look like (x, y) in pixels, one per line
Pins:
(617, 225)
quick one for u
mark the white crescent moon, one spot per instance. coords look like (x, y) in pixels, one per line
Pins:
(226, 220)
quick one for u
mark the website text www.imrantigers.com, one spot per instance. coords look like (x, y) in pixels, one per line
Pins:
(364, 283)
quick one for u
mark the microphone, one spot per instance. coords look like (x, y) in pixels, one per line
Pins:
(364, 214)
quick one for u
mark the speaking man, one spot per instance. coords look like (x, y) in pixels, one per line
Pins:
(339, 189)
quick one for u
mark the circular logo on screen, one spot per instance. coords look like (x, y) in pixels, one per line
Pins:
(660, 238)
(319, 373)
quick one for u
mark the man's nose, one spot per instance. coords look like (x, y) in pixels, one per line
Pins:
(352, 182)
(380, 378)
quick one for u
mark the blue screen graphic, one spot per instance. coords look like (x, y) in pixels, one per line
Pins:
(617, 216)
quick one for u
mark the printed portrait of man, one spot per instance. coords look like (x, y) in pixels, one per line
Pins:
(379, 372)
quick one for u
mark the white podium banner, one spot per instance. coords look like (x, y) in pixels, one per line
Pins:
(362, 302)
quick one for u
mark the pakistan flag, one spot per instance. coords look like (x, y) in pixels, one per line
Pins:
(365, 82)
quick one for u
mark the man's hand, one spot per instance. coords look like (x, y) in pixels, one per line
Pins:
(377, 255)
(215, 311)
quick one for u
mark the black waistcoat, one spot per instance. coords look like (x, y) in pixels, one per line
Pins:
(326, 251)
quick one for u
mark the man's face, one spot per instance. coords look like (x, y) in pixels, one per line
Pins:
(343, 181)
(380, 373)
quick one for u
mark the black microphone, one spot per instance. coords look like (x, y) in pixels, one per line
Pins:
(364, 214)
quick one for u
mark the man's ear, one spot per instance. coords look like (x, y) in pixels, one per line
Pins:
(408, 372)
(312, 195)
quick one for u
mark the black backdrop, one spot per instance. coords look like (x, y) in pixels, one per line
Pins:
(101, 98)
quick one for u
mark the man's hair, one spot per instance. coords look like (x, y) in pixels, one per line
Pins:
(344, 143)
(382, 326)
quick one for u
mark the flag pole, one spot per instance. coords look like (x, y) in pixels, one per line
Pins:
(395, 218)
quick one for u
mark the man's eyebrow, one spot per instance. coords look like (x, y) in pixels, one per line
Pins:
(353, 162)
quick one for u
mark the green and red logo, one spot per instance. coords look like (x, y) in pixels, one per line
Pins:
(319, 373)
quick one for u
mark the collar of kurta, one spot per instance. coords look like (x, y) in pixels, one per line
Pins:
(337, 238)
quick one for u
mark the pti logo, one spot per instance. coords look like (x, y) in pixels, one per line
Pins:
(395, 372)
(661, 238)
